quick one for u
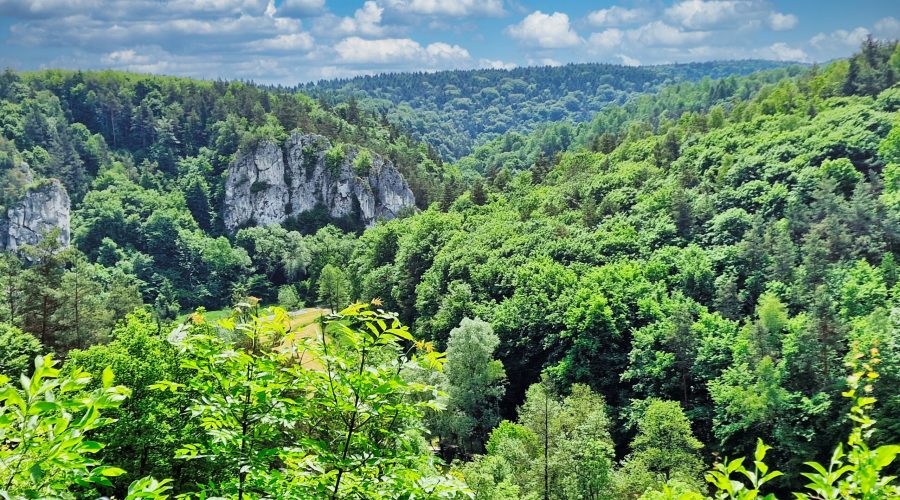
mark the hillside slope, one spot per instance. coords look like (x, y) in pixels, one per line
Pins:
(455, 111)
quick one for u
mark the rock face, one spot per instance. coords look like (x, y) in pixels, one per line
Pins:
(43, 208)
(270, 184)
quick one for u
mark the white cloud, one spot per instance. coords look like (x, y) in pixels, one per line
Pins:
(783, 52)
(548, 31)
(130, 9)
(294, 42)
(606, 40)
(453, 8)
(365, 21)
(617, 16)
(495, 64)
(782, 22)
(628, 61)
(839, 39)
(659, 33)
(697, 14)
(888, 27)
(544, 61)
(400, 50)
(177, 34)
(728, 14)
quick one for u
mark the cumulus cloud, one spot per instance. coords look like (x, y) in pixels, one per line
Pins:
(617, 16)
(548, 31)
(495, 64)
(131, 9)
(728, 14)
(659, 33)
(839, 39)
(606, 40)
(544, 61)
(628, 61)
(888, 27)
(399, 50)
(190, 34)
(781, 51)
(454, 8)
(365, 21)
(293, 42)
(782, 22)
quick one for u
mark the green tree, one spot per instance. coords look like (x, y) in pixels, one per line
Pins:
(42, 295)
(45, 427)
(664, 449)
(17, 350)
(334, 288)
(475, 385)
(151, 425)
(354, 430)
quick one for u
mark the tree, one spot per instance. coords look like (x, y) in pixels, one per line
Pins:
(474, 384)
(17, 350)
(288, 298)
(165, 305)
(561, 448)
(12, 288)
(355, 428)
(42, 296)
(45, 452)
(664, 449)
(479, 197)
(82, 315)
(197, 196)
(151, 425)
(334, 288)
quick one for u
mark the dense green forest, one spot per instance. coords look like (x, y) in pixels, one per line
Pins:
(618, 309)
(455, 111)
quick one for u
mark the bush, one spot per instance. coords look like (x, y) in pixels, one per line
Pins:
(334, 157)
(362, 163)
(17, 350)
(288, 298)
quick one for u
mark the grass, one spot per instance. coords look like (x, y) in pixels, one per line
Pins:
(307, 325)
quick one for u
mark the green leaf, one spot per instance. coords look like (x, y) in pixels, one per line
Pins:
(884, 455)
(111, 471)
(107, 378)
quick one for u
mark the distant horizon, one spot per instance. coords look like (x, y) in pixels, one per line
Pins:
(295, 42)
(776, 63)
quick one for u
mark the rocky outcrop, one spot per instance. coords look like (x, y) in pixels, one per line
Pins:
(43, 208)
(270, 184)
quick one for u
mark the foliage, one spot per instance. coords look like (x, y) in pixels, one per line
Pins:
(334, 289)
(474, 385)
(17, 350)
(354, 431)
(454, 111)
(46, 452)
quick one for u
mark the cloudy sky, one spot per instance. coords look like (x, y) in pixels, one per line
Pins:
(291, 41)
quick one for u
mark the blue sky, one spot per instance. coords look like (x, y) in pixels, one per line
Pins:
(291, 41)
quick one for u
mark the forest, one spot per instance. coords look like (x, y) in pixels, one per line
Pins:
(688, 290)
(455, 111)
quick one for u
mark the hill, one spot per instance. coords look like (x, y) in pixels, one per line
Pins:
(455, 111)
(706, 272)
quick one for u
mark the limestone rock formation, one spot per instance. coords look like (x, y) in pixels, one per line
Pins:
(44, 207)
(270, 183)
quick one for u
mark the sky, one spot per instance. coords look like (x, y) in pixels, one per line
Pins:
(294, 41)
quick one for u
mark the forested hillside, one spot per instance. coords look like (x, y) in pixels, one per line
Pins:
(455, 111)
(620, 309)
(144, 160)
